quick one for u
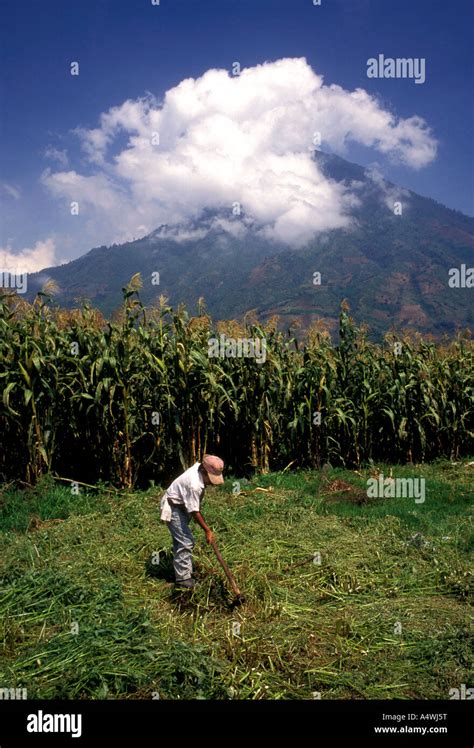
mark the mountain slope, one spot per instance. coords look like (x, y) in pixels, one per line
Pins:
(393, 269)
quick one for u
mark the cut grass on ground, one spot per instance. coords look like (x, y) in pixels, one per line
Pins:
(347, 597)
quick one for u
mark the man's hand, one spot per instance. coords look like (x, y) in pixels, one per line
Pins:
(200, 520)
(210, 536)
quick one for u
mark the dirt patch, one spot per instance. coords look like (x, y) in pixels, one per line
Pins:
(340, 491)
(36, 523)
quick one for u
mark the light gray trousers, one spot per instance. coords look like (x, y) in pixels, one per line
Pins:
(183, 544)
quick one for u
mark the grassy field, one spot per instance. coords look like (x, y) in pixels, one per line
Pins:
(87, 612)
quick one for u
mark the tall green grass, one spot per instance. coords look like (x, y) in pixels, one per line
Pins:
(135, 399)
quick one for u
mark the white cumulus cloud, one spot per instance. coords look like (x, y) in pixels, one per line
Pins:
(54, 154)
(227, 143)
(29, 260)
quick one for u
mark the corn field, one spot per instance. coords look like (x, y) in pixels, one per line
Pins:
(137, 398)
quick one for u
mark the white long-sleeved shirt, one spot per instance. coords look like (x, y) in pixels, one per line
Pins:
(187, 489)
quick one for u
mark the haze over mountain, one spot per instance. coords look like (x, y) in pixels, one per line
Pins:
(393, 269)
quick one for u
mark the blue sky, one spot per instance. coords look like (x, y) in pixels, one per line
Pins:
(129, 48)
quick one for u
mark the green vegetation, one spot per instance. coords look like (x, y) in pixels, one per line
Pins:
(139, 397)
(384, 615)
